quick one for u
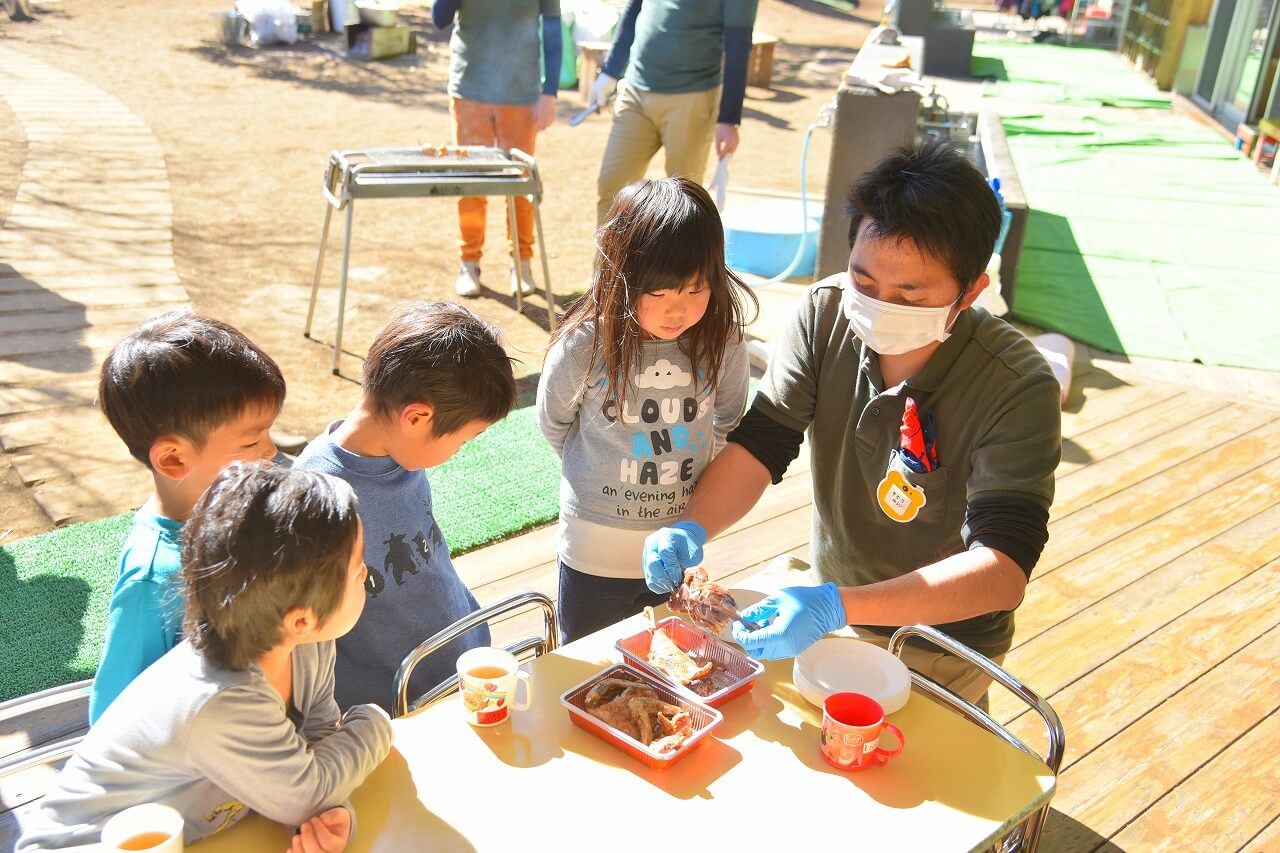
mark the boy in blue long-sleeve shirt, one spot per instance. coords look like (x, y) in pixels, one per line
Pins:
(436, 376)
(188, 396)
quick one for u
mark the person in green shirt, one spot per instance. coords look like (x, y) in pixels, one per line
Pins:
(949, 537)
(671, 53)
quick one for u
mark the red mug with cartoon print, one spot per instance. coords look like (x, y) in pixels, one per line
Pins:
(488, 678)
(851, 728)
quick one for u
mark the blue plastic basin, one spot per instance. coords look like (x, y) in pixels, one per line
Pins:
(761, 238)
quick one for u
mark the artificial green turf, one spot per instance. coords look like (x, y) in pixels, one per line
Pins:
(1049, 73)
(1148, 234)
(1148, 241)
(55, 588)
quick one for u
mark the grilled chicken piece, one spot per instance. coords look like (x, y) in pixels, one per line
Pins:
(636, 710)
(707, 604)
(669, 658)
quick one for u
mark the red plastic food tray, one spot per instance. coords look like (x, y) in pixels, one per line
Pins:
(704, 719)
(701, 644)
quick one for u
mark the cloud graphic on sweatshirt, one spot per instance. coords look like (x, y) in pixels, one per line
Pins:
(662, 376)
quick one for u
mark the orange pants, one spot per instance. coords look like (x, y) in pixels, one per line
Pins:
(504, 126)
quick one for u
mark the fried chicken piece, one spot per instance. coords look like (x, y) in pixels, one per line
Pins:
(708, 605)
(672, 660)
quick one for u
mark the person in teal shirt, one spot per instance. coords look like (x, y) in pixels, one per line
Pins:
(683, 67)
(145, 616)
(188, 396)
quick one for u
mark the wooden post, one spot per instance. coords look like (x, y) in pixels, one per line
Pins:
(760, 65)
(591, 55)
(1183, 14)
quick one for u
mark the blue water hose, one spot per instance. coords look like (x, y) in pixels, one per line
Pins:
(824, 120)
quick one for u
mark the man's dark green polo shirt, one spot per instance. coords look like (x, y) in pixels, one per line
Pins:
(996, 406)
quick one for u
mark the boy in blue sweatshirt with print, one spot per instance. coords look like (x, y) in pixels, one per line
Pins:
(436, 377)
(188, 396)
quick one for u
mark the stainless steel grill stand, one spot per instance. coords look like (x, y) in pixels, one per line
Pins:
(446, 171)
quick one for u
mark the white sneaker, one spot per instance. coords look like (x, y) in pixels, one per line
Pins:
(524, 278)
(468, 282)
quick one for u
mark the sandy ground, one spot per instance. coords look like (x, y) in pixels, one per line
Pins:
(247, 132)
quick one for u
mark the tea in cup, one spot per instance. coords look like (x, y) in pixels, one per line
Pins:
(488, 679)
(151, 827)
(851, 729)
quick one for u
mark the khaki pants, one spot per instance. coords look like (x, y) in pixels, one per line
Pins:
(504, 126)
(939, 667)
(683, 124)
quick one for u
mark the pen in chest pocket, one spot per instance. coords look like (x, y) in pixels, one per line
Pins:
(919, 438)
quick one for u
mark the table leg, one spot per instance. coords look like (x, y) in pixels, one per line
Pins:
(546, 269)
(315, 281)
(342, 287)
(514, 230)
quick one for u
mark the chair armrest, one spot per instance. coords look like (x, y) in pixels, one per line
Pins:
(1053, 725)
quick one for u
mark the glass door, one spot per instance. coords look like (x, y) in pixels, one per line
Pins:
(1254, 63)
(1240, 59)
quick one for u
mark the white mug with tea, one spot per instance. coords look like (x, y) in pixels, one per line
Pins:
(152, 827)
(488, 678)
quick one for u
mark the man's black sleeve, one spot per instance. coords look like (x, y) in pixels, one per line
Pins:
(775, 445)
(1017, 527)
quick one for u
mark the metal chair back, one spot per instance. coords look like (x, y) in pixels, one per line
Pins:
(538, 645)
(1026, 836)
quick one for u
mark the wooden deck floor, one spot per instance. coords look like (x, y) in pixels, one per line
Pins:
(1152, 623)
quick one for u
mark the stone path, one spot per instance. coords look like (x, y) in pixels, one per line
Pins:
(85, 253)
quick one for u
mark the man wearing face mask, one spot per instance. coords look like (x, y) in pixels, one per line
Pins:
(946, 537)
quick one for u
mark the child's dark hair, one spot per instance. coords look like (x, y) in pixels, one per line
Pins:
(442, 354)
(183, 374)
(659, 235)
(262, 541)
(933, 196)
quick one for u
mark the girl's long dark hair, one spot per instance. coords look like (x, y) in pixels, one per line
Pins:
(659, 235)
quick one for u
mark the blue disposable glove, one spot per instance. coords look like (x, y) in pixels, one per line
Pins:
(671, 550)
(796, 618)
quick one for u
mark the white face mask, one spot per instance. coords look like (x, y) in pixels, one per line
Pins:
(893, 329)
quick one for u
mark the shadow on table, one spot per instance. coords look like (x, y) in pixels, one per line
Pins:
(515, 744)
(400, 822)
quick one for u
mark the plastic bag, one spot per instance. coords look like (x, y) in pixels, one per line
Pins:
(593, 20)
(270, 21)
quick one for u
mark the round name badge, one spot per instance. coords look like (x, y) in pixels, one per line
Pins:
(898, 499)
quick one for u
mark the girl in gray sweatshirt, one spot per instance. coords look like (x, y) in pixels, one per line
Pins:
(645, 378)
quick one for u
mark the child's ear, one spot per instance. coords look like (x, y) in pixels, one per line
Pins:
(417, 416)
(171, 456)
(298, 624)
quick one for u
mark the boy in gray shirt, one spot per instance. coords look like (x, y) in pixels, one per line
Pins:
(240, 717)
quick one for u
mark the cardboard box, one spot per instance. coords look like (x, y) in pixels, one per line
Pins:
(366, 42)
(1245, 137)
(319, 16)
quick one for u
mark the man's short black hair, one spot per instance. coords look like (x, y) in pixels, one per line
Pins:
(263, 540)
(935, 197)
(442, 354)
(183, 374)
